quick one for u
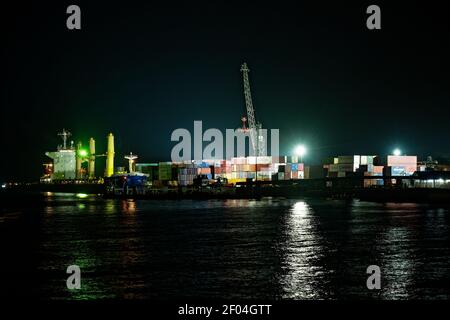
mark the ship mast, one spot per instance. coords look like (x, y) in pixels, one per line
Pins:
(64, 134)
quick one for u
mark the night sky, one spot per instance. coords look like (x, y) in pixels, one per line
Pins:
(143, 69)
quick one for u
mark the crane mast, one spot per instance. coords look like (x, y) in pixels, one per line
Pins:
(256, 139)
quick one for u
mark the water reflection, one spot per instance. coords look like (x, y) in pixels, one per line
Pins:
(109, 206)
(274, 248)
(301, 248)
(48, 210)
(129, 206)
(131, 251)
(397, 263)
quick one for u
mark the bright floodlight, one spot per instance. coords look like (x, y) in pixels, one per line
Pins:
(397, 152)
(300, 150)
(82, 153)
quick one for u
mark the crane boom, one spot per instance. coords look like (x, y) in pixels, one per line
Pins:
(256, 139)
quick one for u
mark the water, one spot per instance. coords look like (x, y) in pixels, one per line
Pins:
(268, 249)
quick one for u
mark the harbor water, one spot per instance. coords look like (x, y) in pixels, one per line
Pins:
(224, 249)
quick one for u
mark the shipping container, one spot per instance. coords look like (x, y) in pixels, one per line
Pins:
(333, 168)
(346, 160)
(401, 170)
(329, 160)
(333, 174)
(239, 160)
(262, 174)
(234, 181)
(363, 160)
(280, 159)
(205, 170)
(404, 161)
(259, 160)
(151, 169)
(344, 167)
(378, 169)
(165, 171)
(301, 175)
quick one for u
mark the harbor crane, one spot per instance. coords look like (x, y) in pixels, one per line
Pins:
(249, 123)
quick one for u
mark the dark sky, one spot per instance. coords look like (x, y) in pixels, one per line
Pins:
(143, 69)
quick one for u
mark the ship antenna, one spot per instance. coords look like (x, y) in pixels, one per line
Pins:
(64, 134)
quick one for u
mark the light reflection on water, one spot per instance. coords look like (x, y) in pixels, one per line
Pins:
(274, 248)
(301, 237)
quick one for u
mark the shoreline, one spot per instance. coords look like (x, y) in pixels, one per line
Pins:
(410, 195)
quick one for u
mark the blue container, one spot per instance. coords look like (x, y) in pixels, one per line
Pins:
(136, 181)
(398, 171)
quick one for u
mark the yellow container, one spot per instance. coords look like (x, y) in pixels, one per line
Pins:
(234, 181)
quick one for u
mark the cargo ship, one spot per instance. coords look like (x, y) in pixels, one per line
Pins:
(71, 169)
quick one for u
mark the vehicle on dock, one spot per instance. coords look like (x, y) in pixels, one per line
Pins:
(126, 184)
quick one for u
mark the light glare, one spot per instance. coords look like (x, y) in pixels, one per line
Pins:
(300, 150)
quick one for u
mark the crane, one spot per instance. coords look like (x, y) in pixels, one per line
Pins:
(253, 127)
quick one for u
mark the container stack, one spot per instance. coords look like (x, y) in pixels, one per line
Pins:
(242, 168)
(222, 169)
(150, 169)
(267, 168)
(344, 166)
(402, 165)
(297, 171)
(187, 173)
(376, 171)
(239, 169)
(165, 172)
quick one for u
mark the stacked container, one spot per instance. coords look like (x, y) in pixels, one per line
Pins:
(165, 171)
(343, 166)
(402, 165)
(238, 169)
